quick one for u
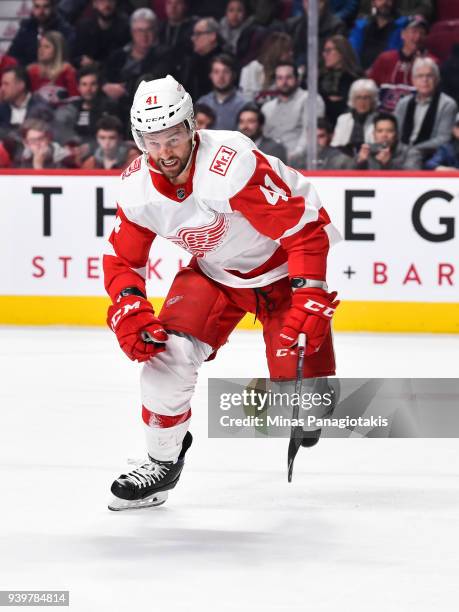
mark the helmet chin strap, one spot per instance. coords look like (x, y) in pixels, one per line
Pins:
(187, 165)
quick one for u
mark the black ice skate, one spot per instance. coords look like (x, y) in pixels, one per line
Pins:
(147, 485)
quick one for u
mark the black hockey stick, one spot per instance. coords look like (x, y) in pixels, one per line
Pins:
(296, 432)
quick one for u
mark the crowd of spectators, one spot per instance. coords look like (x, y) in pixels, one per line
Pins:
(385, 100)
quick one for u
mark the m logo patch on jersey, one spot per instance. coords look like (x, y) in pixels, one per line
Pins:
(204, 239)
(222, 160)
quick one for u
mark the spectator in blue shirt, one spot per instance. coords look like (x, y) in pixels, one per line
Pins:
(380, 32)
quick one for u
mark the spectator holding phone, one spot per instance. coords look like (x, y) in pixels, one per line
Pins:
(386, 152)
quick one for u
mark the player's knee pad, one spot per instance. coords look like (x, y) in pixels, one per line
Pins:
(167, 380)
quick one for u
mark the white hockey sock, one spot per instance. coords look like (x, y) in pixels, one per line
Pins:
(165, 443)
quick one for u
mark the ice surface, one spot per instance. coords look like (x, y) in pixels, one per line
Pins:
(365, 525)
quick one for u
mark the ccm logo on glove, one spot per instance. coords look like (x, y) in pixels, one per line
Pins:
(133, 319)
(311, 312)
(121, 312)
(318, 307)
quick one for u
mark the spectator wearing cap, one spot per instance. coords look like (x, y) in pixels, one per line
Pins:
(356, 127)
(250, 122)
(386, 152)
(392, 69)
(380, 32)
(204, 117)
(77, 120)
(196, 68)
(446, 157)
(99, 35)
(224, 99)
(142, 55)
(329, 25)
(287, 114)
(426, 117)
(111, 153)
(44, 17)
(18, 103)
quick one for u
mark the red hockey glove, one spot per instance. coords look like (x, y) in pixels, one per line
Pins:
(131, 318)
(311, 312)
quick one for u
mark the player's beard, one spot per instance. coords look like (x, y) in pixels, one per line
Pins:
(175, 170)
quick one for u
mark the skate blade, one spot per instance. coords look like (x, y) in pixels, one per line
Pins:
(116, 503)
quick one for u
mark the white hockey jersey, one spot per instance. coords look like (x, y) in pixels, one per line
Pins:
(247, 218)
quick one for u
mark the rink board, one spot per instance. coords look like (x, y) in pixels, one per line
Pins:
(351, 316)
(394, 270)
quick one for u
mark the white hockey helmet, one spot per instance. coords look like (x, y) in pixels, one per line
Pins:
(158, 105)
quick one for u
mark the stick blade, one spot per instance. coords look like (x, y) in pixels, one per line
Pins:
(293, 447)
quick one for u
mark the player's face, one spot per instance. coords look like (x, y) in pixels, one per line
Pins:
(248, 124)
(385, 133)
(88, 86)
(170, 149)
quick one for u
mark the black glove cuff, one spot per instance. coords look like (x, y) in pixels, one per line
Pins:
(298, 282)
(130, 291)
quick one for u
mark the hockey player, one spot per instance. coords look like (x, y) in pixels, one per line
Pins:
(259, 238)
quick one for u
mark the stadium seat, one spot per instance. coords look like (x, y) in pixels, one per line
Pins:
(447, 9)
(286, 9)
(443, 36)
